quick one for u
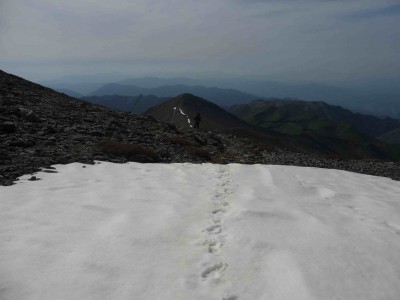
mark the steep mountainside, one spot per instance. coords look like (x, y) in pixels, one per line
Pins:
(299, 115)
(123, 103)
(222, 97)
(318, 125)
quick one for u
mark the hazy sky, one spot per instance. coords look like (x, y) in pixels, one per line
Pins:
(271, 39)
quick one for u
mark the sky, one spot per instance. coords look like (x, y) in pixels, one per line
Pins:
(320, 40)
(209, 232)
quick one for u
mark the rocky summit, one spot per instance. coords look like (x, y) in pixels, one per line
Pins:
(40, 127)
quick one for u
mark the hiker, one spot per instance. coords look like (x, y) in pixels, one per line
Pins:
(197, 120)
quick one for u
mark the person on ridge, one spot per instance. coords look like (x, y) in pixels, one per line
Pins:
(197, 120)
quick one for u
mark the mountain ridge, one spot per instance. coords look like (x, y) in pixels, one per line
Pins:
(319, 125)
(40, 127)
(375, 97)
(213, 116)
(367, 124)
(221, 97)
(124, 103)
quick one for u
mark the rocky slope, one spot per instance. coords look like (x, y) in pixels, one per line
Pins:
(40, 127)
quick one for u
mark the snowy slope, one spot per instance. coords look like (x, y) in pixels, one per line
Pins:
(182, 231)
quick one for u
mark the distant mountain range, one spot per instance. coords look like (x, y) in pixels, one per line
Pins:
(70, 93)
(221, 97)
(331, 129)
(295, 116)
(381, 98)
(124, 103)
(311, 127)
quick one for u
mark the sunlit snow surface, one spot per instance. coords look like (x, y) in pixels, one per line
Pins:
(183, 231)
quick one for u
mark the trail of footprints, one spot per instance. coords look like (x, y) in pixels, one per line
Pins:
(213, 241)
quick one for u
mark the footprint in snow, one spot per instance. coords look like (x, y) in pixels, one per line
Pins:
(214, 271)
(214, 247)
(215, 229)
(218, 211)
(217, 220)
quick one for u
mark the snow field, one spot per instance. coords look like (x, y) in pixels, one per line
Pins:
(184, 231)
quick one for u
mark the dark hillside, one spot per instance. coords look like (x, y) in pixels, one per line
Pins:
(321, 127)
(297, 112)
(213, 117)
(123, 103)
